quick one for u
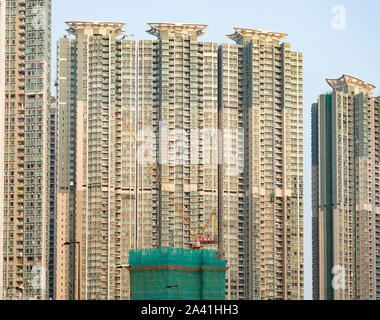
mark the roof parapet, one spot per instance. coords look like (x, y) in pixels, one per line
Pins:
(241, 33)
(116, 27)
(347, 80)
(184, 29)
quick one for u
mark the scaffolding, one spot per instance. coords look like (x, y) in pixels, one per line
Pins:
(171, 274)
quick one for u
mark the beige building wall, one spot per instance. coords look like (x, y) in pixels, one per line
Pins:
(232, 184)
(65, 224)
(2, 132)
(63, 284)
(26, 150)
(251, 90)
(98, 90)
(148, 172)
(346, 160)
(184, 103)
(271, 96)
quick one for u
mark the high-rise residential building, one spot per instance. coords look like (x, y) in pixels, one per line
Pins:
(66, 172)
(2, 132)
(261, 91)
(232, 203)
(96, 200)
(178, 107)
(346, 194)
(25, 198)
(52, 219)
(178, 91)
(161, 164)
(159, 140)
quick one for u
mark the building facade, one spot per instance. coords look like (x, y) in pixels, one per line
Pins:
(184, 162)
(261, 90)
(25, 197)
(2, 135)
(97, 158)
(160, 139)
(346, 192)
(52, 217)
(160, 190)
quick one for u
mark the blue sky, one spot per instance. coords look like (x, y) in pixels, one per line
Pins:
(328, 52)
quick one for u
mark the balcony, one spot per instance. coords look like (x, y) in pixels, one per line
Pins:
(21, 32)
(21, 148)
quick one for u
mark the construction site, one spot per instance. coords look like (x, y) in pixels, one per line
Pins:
(176, 274)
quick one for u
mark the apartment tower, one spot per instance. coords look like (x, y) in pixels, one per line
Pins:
(25, 215)
(2, 135)
(97, 158)
(252, 92)
(183, 167)
(161, 139)
(346, 195)
(132, 180)
(178, 137)
(52, 218)
(261, 91)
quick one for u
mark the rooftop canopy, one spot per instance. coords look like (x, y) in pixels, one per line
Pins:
(186, 29)
(82, 25)
(346, 80)
(241, 33)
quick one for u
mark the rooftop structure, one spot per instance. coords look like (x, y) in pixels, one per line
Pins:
(346, 80)
(186, 29)
(85, 25)
(346, 206)
(241, 33)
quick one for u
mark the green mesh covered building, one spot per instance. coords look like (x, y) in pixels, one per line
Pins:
(155, 274)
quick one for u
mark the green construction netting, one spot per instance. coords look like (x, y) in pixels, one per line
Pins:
(192, 285)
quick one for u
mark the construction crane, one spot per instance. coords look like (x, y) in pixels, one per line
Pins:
(206, 237)
(203, 235)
